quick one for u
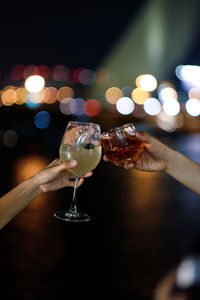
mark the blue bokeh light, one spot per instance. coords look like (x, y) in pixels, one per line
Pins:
(42, 119)
(31, 104)
(77, 106)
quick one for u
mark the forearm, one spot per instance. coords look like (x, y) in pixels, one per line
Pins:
(17, 199)
(184, 170)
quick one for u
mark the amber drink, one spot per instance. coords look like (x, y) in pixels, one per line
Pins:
(121, 146)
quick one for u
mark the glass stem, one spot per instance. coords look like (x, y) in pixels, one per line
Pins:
(73, 208)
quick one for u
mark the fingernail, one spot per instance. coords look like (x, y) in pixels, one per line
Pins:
(72, 163)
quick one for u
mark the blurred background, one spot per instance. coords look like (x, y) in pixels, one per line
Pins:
(110, 64)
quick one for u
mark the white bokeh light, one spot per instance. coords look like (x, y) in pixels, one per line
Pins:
(192, 107)
(190, 73)
(152, 106)
(171, 107)
(148, 82)
(125, 106)
(34, 84)
(186, 273)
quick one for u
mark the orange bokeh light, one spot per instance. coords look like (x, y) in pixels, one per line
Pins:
(113, 94)
(65, 92)
(139, 96)
(8, 96)
(20, 96)
(49, 95)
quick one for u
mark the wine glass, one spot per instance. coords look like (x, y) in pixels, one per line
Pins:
(80, 142)
(121, 146)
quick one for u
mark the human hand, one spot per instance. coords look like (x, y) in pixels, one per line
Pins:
(55, 176)
(154, 156)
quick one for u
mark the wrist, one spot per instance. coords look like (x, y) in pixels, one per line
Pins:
(170, 160)
(36, 184)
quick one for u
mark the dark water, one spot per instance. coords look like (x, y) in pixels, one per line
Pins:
(141, 225)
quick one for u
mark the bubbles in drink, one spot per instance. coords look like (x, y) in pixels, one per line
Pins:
(87, 157)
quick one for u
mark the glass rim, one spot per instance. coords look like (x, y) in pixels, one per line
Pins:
(83, 123)
(118, 128)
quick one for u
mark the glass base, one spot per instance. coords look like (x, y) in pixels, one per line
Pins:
(72, 217)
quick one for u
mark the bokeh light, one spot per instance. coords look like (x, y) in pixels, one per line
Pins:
(65, 106)
(171, 107)
(113, 94)
(194, 93)
(125, 106)
(10, 138)
(139, 96)
(64, 92)
(42, 119)
(186, 273)
(35, 97)
(148, 82)
(29, 103)
(76, 74)
(166, 93)
(137, 81)
(17, 72)
(189, 73)
(49, 95)
(192, 107)
(92, 107)
(31, 70)
(86, 77)
(77, 106)
(152, 106)
(28, 166)
(44, 71)
(34, 83)
(20, 96)
(59, 73)
(8, 96)
(169, 123)
(1, 104)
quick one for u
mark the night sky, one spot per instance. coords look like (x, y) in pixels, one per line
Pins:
(70, 33)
